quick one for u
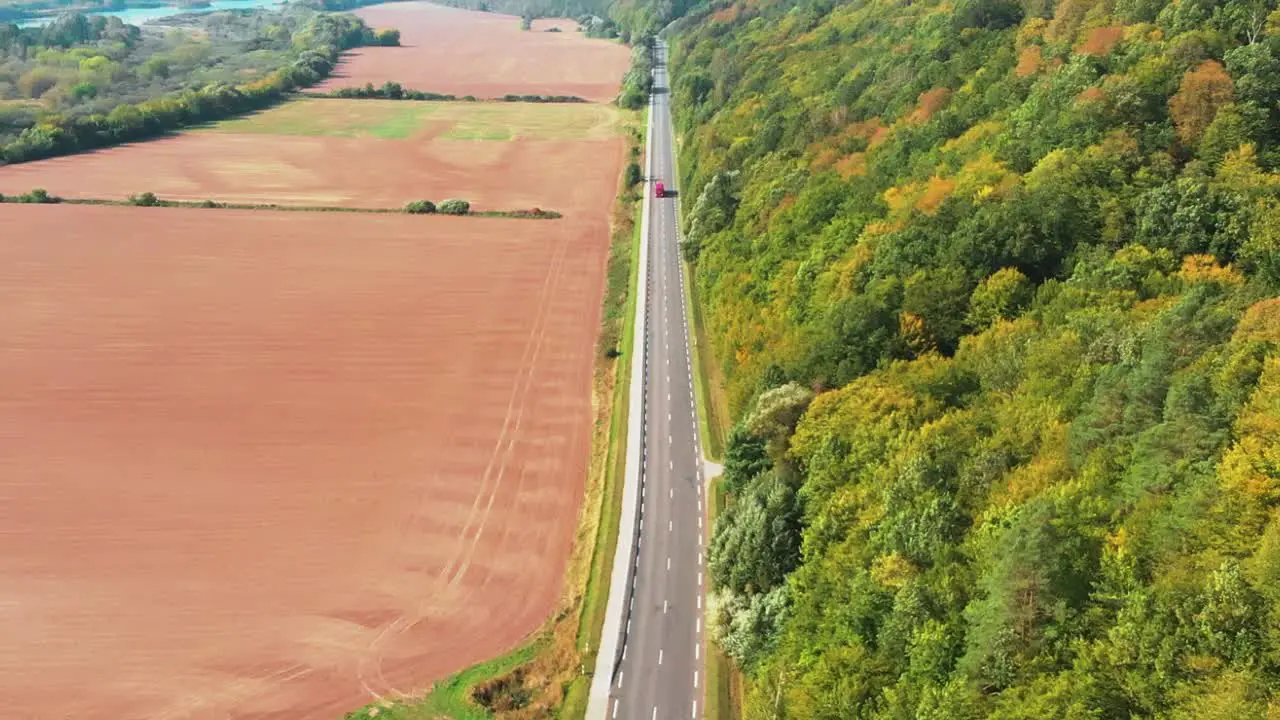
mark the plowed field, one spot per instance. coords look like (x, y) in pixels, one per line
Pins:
(362, 153)
(267, 465)
(457, 52)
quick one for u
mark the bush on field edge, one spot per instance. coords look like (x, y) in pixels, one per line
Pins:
(455, 207)
(38, 196)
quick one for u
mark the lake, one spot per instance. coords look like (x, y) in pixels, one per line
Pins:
(138, 16)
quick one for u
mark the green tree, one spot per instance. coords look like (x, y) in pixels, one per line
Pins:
(146, 199)
(757, 541)
(455, 207)
(1002, 296)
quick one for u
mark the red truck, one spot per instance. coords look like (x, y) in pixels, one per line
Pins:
(658, 190)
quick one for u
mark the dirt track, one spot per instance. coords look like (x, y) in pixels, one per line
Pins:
(487, 55)
(264, 465)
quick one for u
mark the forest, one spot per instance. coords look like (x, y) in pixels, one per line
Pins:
(88, 81)
(993, 286)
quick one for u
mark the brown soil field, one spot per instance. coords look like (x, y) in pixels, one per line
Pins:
(272, 464)
(463, 52)
(382, 163)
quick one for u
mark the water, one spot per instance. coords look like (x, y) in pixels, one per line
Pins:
(138, 16)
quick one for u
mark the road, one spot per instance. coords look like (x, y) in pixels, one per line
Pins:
(659, 672)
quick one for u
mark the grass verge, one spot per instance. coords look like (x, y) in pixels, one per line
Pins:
(451, 697)
(712, 413)
(713, 407)
(550, 674)
(723, 681)
(597, 594)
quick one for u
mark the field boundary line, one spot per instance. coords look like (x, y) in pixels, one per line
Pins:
(215, 205)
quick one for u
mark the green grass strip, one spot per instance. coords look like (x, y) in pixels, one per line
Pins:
(451, 697)
(596, 598)
(710, 426)
(720, 670)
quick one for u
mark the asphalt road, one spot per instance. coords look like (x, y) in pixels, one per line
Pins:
(662, 675)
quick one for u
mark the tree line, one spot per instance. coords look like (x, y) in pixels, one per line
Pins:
(637, 83)
(313, 48)
(395, 91)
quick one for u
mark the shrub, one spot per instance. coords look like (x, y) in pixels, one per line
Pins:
(39, 196)
(420, 207)
(146, 199)
(455, 207)
(633, 176)
(209, 204)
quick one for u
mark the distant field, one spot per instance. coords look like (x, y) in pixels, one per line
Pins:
(363, 153)
(459, 52)
(264, 464)
(402, 119)
(387, 119)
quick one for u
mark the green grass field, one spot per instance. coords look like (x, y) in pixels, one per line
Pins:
(451, 697)
(405, 119)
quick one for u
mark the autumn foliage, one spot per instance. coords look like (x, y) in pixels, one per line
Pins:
(1040, 476)
(1202, 93)
(931, 101)
(1029, 61)
(1100, 41)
